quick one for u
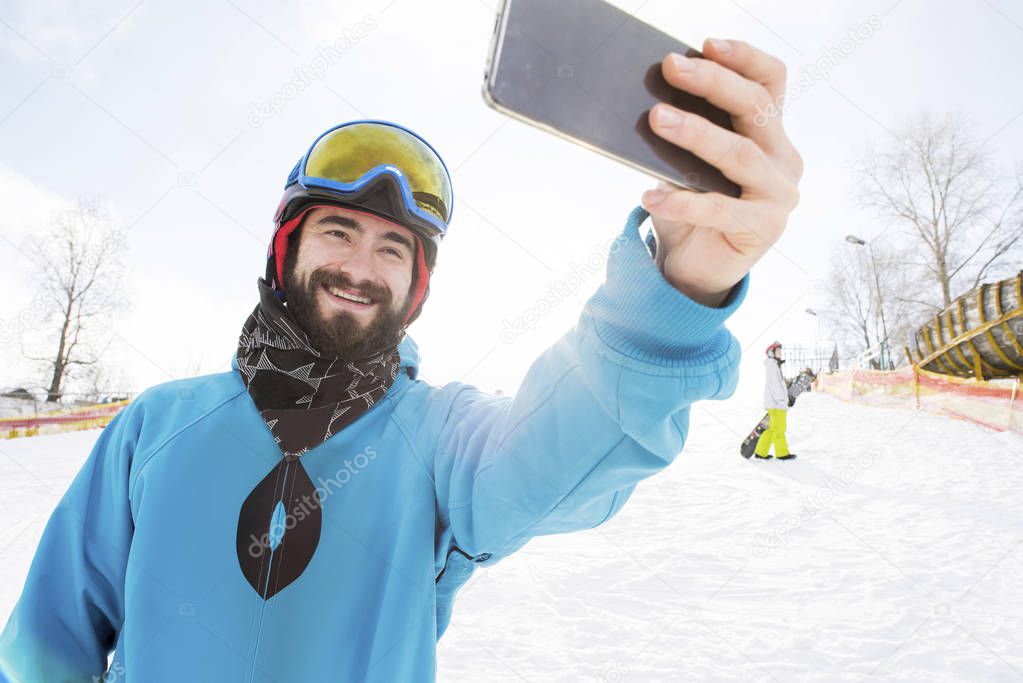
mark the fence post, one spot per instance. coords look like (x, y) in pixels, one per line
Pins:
(916, 385)
(1012, 402)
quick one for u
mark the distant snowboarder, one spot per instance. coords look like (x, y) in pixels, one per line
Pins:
(777, 402)
(798, 385)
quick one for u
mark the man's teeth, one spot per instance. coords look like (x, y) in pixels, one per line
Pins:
(350, 297)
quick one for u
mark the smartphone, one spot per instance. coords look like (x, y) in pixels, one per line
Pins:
(588, 72)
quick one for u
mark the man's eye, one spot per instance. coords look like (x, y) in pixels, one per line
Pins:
(338, 232)
(392, 251)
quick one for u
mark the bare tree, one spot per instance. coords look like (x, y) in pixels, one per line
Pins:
(861, 300)
(851, 302)
(103, 382)
(941, 189)
(79, 275)
(899, 286)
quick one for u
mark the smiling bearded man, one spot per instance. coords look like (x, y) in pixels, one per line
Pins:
(310, 514)
(334, 328)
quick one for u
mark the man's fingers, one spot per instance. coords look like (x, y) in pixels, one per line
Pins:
(713, 210)
(738, 157)
(753, 109)
(769, 72)
(754, 64)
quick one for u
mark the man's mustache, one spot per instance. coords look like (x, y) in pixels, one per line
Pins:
(375, 292)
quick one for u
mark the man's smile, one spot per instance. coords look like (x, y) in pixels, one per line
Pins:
(348, 299)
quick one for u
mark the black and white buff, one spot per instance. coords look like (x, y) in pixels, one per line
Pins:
(304, 397)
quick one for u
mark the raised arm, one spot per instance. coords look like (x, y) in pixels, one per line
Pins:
(603, 408)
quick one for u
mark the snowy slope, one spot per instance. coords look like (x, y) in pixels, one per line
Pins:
(890, 550)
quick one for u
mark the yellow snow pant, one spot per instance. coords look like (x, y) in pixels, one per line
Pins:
(774, 434)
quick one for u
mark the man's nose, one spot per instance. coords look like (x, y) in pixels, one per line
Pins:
(359, 264)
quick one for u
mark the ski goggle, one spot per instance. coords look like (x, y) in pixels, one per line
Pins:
(350, 161)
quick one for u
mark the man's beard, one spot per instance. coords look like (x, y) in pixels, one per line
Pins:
(341, 334)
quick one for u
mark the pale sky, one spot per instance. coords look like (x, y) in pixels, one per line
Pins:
(149, 107)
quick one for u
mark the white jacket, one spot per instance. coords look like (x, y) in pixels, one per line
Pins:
(776, 392)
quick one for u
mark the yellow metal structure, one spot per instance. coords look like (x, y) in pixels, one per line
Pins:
(976, 336)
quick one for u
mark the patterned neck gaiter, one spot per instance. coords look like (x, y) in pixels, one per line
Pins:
(304, 397)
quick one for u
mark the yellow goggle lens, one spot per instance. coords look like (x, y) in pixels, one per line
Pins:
(348, 153)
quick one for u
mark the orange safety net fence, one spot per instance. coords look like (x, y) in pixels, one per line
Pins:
(995, 404)
(66, 420)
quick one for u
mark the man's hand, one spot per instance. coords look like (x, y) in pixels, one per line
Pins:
(707, 242)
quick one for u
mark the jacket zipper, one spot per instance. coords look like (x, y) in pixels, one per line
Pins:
(262, 608)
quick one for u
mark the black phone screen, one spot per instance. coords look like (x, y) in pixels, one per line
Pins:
(593, 72)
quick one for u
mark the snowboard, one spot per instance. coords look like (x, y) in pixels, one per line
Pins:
(797, 385)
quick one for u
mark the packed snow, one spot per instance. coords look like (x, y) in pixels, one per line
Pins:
(890, 550)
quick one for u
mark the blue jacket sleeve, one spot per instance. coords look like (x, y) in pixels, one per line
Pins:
(70, 611)
(605, 407)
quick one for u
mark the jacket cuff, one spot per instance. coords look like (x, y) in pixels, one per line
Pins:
(638, 313)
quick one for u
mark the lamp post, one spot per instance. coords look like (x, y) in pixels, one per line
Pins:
(818, 359)
(853, 239)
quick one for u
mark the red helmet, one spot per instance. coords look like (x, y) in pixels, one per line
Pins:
(772, 347)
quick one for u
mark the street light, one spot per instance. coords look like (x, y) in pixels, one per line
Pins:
(816, 341)
(853, 239)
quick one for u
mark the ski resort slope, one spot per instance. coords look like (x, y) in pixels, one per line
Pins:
(890, 550)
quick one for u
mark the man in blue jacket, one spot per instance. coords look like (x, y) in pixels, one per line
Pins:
(309, 515)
